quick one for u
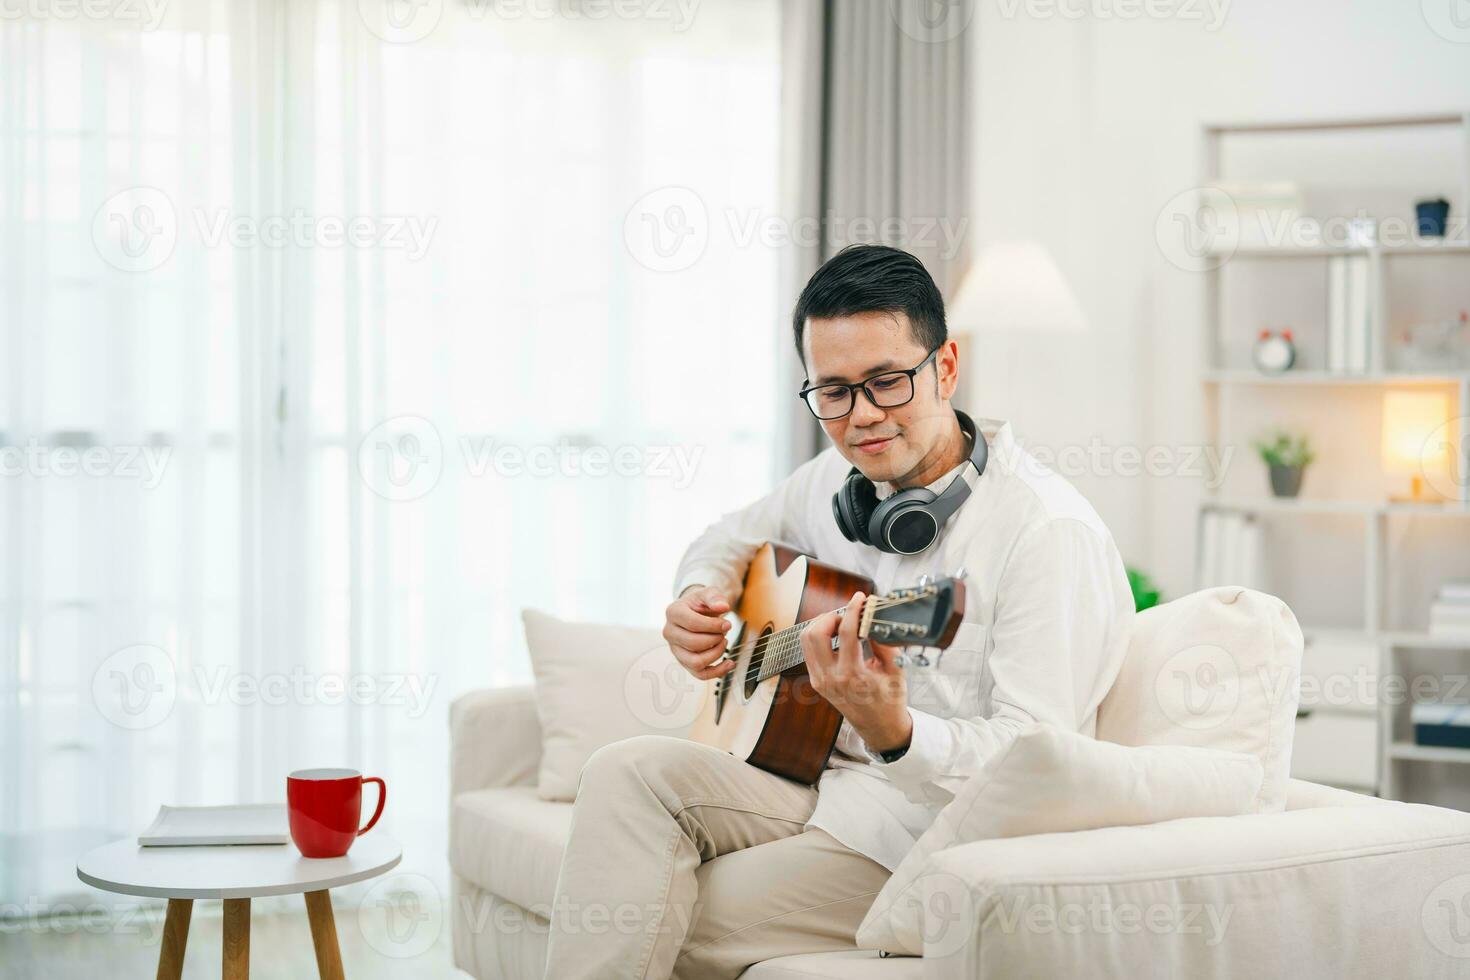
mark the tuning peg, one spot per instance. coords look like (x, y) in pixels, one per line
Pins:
(912, 659)
(960, 573)
(925, 580)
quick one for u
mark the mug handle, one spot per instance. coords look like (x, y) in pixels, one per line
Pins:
(382, 798)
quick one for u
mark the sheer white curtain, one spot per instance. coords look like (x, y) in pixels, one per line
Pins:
(328, 345)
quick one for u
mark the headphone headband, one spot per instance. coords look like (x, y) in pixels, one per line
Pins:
(908, 521)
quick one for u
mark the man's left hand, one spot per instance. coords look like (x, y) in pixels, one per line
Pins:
(872, 694)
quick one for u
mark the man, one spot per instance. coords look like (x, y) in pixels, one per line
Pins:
(729, 865)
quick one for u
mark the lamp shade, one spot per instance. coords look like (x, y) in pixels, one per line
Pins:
(1015, 286)
(1410, 420)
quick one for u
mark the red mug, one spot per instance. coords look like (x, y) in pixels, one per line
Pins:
(325, 807)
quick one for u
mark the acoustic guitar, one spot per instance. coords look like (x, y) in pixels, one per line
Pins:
(765, 710)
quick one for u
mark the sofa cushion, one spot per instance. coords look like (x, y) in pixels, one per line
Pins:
(1218, 669)
(1048, 780)
(598, 684)
(509, 841)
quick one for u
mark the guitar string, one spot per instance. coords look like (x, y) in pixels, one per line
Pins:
(787, 642)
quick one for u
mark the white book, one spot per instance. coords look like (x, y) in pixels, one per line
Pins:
(1229, 549)
(1336, 313)
(1357, 312)
(1250, 555)
(246, 823)
(1449, 617)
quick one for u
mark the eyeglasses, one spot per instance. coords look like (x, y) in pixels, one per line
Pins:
(887, 390)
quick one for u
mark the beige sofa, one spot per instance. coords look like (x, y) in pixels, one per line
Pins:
(1312, 882)
(1338, 885)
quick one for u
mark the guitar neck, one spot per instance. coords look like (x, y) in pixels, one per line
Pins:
(783, 648)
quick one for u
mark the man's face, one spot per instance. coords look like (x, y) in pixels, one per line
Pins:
(886, 444)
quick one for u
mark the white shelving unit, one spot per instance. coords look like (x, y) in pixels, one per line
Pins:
(1341, 733)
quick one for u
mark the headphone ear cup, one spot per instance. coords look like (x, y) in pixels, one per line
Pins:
(853, 505)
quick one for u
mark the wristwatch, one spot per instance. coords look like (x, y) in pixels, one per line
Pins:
(893, 755)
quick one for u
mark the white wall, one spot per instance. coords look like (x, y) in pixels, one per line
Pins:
(1085, 128)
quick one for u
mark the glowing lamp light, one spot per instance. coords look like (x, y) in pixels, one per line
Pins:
(1413, 427)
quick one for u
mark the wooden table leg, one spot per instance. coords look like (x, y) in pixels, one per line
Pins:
(324, 935)
(237, 939)
(175, 937)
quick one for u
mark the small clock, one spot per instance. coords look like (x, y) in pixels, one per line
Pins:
(1274, 352)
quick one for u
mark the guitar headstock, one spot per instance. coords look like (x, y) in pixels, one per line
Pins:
(927, 615)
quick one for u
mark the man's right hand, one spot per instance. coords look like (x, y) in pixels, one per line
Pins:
(695, 628)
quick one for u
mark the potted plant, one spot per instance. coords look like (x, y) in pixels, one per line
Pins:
(1287, 457)
(1145, 593)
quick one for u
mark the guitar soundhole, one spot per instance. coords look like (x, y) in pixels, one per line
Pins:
(753, 669)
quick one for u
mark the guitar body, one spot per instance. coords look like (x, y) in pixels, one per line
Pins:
(780, 724)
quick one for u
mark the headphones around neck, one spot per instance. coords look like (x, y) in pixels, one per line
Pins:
(908, 521)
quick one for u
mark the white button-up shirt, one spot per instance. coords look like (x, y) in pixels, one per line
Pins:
(1047, 614)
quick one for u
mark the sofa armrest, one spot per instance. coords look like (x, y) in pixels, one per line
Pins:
(494, 739)
(1356, 891)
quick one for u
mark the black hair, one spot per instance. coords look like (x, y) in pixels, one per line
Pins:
(873, 279)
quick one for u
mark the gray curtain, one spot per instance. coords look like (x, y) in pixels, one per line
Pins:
(875, 143)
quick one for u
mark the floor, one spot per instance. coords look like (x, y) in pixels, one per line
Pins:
(376, 941)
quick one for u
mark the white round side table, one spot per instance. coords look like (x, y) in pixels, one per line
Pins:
(236, 874)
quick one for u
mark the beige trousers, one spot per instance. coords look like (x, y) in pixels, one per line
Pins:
(687, 862)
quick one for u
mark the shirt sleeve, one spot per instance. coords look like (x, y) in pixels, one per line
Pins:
(1063, 610)
(721, 554)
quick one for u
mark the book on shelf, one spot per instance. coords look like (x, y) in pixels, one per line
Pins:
(1230, 550)
(1455, 590)
(1349, 315)
(1449, 619)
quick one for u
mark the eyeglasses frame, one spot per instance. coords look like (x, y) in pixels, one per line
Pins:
(853, 389)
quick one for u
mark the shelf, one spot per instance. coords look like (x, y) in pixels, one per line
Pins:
(1309, 505)
(1362, 122)
(1419, 640)
(1288, 251)
(1247, 376)
(1428, 246)
(1427, 753)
